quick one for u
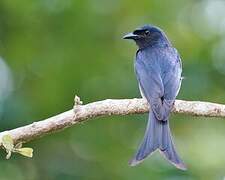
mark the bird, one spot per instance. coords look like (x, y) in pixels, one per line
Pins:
(158, 69)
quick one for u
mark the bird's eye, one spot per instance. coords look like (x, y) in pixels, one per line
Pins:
(147, 32)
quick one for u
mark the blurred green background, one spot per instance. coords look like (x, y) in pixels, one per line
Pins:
(51, 50)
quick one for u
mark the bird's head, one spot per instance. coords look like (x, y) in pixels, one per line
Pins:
(148, 35)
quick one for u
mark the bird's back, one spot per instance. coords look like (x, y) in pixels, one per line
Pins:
(160, 59)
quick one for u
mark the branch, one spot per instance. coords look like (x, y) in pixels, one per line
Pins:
(106, 108)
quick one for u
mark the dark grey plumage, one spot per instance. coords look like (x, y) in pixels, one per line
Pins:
(158, 70)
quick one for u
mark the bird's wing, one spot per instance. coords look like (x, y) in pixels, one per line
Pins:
(151, 84)
(172, 77)
(160, 89)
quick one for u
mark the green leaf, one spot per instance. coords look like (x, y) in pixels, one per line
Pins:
(28, 152)
(7, 142)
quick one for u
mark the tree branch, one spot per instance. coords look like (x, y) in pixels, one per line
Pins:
(107, 108)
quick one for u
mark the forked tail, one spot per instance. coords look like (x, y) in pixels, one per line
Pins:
(158, 136)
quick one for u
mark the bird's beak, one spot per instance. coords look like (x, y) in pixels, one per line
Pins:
(130, 36)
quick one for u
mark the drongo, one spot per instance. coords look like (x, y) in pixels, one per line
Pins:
(158, 69)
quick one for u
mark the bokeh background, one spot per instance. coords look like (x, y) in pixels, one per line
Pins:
(51, 50)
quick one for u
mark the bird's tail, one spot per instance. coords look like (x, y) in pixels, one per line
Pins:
(158, 136)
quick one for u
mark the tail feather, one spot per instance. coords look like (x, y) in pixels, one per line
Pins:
(158, 136)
